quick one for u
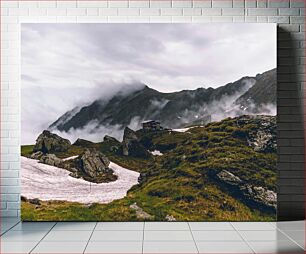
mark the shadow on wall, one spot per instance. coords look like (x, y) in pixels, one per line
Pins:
(290, 122)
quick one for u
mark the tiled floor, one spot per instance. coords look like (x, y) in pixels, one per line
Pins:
(152, 237)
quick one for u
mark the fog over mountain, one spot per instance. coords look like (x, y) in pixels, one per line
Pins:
(68, 66)
(248, 95)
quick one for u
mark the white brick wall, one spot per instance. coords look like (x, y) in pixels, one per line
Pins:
(289, 13)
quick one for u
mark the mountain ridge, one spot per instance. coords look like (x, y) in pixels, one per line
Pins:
(176, 109)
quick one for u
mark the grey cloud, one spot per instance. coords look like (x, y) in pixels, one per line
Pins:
(69, 64)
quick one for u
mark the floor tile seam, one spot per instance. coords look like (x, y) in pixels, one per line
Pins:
(93, 230)
(42, 238)
(142, 242)
(10, 228)
(193, 238)
(290, 238)
(273, 224)
(244, 240)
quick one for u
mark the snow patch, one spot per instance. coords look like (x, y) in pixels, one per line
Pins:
(51, 183)
(181, 130)
(70, 158)
(156, 152)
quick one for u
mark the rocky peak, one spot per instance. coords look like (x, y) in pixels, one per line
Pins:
(48, 142)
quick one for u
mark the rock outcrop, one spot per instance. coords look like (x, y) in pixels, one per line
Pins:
(229, 178)
(51, 159)
(82, 143)
(93, 163)
(131, 145)
(112, 144)
(255, 196)
(260, 195)
(110, 139)
(263, 137)
(92, 166)
(48, 142)
(263, 141)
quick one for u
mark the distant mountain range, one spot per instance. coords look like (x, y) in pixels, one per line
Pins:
(248, 95)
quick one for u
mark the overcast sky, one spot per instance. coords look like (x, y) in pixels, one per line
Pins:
(64, 65)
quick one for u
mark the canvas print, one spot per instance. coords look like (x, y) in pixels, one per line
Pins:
(148, 122)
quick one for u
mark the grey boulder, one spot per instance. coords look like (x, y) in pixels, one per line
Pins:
(48, 142)
(131, 145)
(93, 163)
(51, 159)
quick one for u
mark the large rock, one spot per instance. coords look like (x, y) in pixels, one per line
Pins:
(51, 159)
(260, 195)
(131, 145)
(229, 178)
(93, 163)
(255, 196)
(48, 142)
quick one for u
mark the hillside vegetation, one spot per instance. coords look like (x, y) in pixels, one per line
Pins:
(187, 182)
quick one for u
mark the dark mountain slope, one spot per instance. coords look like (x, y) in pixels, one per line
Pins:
(263, 92)
(173, 110)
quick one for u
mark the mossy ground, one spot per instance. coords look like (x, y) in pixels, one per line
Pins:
(178, 182)
(27, 150)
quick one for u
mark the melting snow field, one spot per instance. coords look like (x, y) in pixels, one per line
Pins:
(51, 183)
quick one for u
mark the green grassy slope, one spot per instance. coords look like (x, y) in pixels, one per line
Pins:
(179, 183)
